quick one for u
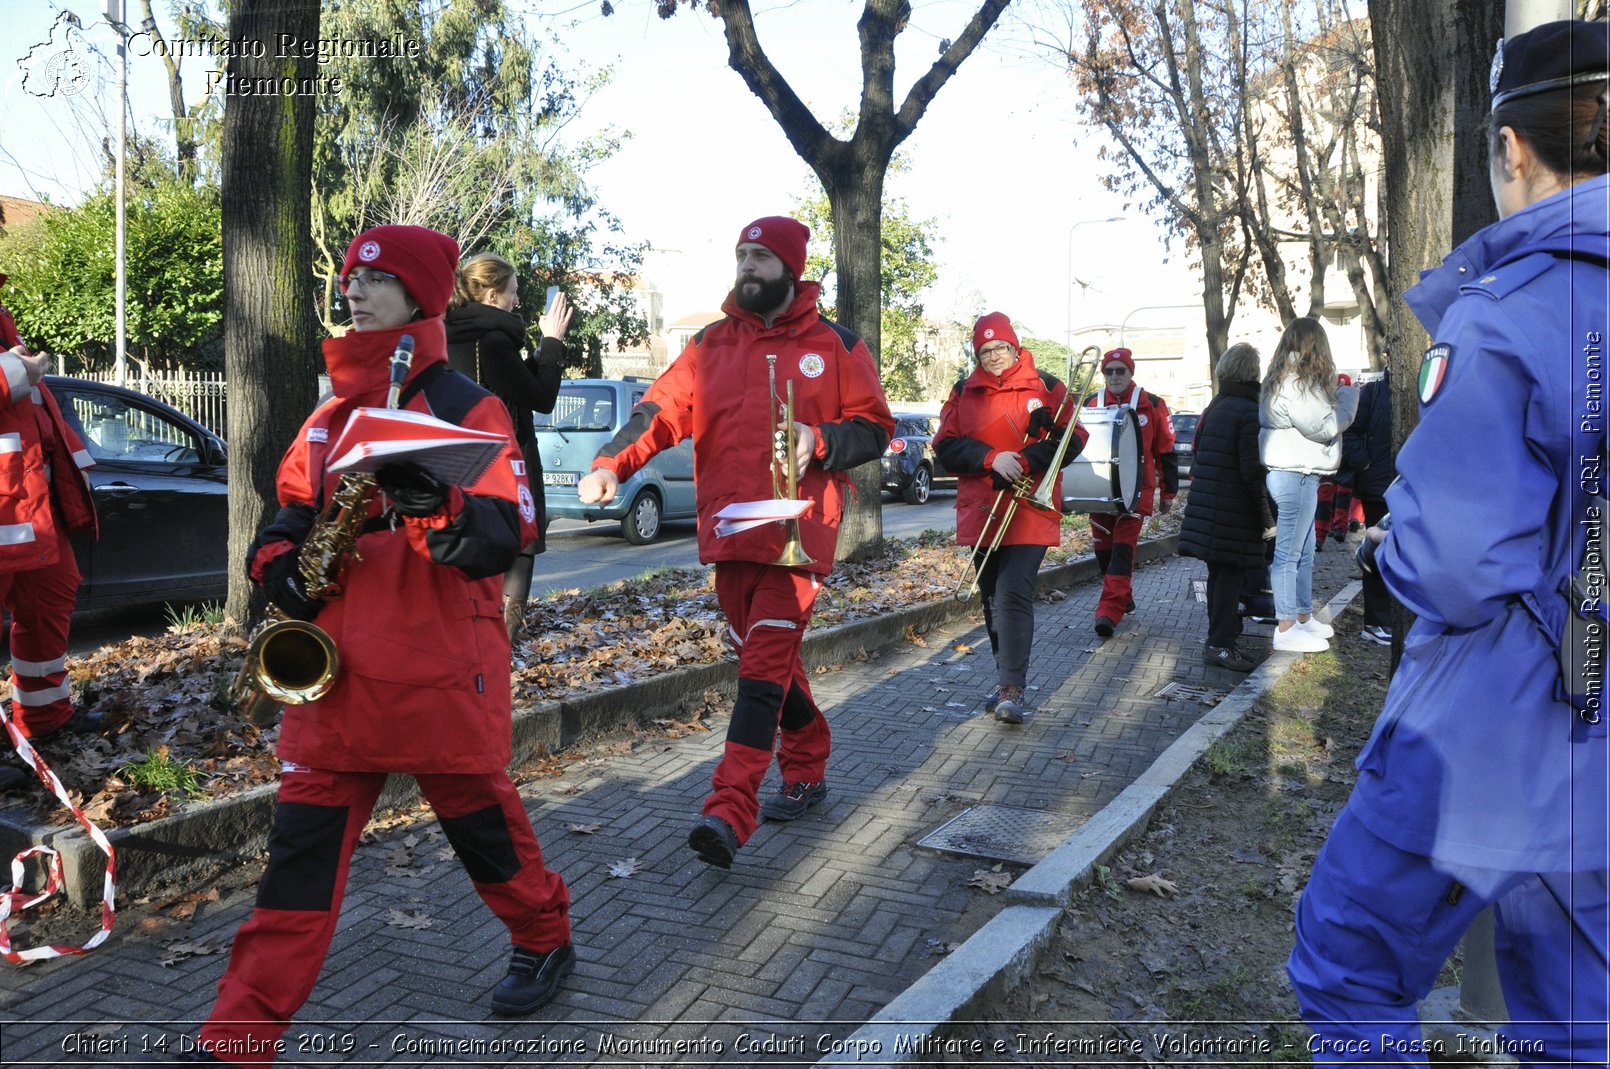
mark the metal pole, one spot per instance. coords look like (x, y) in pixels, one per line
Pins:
(1109, 219)
(115, 12)
(1148, 308)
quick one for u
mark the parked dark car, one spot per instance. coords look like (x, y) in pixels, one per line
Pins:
(161, 490)
(910, 467)
(1185, 440)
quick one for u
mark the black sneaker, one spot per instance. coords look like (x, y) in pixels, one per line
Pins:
(533, 980)
(1227, 657)
(1338, 535)
(1105, 626)
(1381, 636)
(791, 802)
(1010, 710)
(714, 841)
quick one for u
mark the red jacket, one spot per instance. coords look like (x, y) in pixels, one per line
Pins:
(987, 415)
(717, 392)
(41, 460)
(424, 678)
(1158, 464)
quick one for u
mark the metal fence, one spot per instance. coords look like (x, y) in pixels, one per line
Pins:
(201, 395)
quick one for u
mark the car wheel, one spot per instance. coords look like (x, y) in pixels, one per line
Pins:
(922, 482)
(641, 524)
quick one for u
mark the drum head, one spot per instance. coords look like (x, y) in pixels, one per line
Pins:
(1105, 477)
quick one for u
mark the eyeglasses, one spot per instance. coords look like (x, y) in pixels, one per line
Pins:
(998, 349)
(1120, 370)
(367, 279)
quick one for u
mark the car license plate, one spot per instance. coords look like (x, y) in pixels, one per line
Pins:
(559, 478)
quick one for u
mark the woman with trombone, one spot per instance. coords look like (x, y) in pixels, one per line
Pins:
(1000, 431)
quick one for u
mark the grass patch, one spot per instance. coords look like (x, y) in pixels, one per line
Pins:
(190, 617)
(158, 771)
(1236, 754)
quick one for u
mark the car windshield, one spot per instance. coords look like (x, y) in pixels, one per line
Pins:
(1185, 427)
(114, 430)
(910, 426)
(580, 408)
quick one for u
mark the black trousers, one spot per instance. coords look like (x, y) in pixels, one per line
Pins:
(1007, 586)
(1377, 600)
(1224, 583)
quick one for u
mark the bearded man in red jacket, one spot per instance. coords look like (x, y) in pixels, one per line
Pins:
(719, 392)
(43, 496)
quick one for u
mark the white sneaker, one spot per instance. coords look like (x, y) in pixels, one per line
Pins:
(1298, 639)
(1317, 629)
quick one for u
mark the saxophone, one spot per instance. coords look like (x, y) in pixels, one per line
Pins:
(293, 662)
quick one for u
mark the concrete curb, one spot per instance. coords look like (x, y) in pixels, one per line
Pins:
(1002, 953)
(207, 837)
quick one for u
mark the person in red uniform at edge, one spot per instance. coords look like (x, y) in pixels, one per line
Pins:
(424, 681)
(1115, 536)
(1334, 511)
(1004, 421)
(44, 494)
(717, 391)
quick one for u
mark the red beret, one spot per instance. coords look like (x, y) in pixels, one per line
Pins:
(424, 259)
(993, 327)
(784, 236)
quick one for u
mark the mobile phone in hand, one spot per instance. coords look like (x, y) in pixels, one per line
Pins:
(547, 303)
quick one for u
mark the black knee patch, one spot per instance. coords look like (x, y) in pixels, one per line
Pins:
(1104, 561)
(1123, 559)
(304, 856)
(481, 841)
(754, 714)
(798, 710)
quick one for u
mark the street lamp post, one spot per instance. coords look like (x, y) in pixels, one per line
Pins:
(1082, 222)
(115, 14)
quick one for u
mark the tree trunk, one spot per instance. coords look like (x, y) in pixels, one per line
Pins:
(270, 330)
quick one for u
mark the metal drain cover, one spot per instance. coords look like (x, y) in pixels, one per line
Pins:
(1002, 833)
(1189, 692)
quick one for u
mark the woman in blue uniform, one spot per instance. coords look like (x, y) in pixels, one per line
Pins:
(1482, 783)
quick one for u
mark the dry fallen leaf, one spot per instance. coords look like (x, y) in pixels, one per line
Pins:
(177, 952)
(623, 868)
(914, 638)
(586, 829)
(993, 882)
(409, 918)
(1154, 884)
(962, 647)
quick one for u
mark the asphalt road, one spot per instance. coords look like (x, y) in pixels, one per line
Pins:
(580, 555)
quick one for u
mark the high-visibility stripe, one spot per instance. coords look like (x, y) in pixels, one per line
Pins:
(30, 699)
(15, 534)
(11, 443)
(82, 458)
(16, 376)
(788, 625)
(39, 668)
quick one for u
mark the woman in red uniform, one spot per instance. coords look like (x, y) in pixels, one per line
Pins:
(424, 681)
(1002, 422)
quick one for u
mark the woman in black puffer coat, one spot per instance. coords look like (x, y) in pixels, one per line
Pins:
(486, 340)
(1228, 511)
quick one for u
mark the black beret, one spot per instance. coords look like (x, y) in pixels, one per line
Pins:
(1555, 55)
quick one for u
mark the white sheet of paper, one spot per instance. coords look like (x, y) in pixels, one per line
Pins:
(742, 515)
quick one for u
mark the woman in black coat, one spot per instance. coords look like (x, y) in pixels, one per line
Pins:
(1228, 511)
(486, 340)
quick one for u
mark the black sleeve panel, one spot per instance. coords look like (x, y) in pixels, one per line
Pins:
(850, 442)
(292, 524)
(1040, 454)
(482, 540)
(632, 429)
(1171, 473)
(960, 454)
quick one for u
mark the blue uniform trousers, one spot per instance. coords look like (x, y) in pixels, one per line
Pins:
(1376, 923)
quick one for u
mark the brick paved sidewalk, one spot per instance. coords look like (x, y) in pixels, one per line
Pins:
(819, 924)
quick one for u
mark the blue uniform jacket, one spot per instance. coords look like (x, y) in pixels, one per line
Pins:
(1476, 758)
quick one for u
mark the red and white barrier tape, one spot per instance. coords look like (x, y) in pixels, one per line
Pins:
(16, 900)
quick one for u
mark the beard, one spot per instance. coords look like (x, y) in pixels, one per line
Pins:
(760, 295)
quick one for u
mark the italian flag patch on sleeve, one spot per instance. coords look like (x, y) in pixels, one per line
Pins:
(1434, 370)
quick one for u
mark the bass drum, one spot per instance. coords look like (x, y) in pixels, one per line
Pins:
(1105, 477)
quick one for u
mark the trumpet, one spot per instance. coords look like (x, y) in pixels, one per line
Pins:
(785, 469)
(1023, 490)
(292, 662)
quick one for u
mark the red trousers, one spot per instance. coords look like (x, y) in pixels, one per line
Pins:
(1115, 538)
(41, 606)
(1334, 510)
(767, 608)
(280, 950)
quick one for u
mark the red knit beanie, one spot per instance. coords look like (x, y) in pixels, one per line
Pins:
(1343, 379)
(1119, 356)
(993, 327)
(784, 236)
(424, 259)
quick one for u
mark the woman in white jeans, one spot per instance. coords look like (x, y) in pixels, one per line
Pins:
(1302, 413)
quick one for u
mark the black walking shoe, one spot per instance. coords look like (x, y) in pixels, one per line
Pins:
(1227, 657)
(714, 841)
(533, 980)
(791, 802)
(1105, 626)
(1009, 709)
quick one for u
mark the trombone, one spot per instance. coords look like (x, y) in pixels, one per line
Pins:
(1023, 491)
(785, 469)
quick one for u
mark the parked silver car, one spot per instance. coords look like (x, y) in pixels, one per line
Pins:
(586, 416)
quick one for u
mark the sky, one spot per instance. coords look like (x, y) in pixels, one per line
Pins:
(999, 160)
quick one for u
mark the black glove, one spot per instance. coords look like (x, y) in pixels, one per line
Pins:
(413, 491)
(1042, 421)
(1365, 554)
(283, 584)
